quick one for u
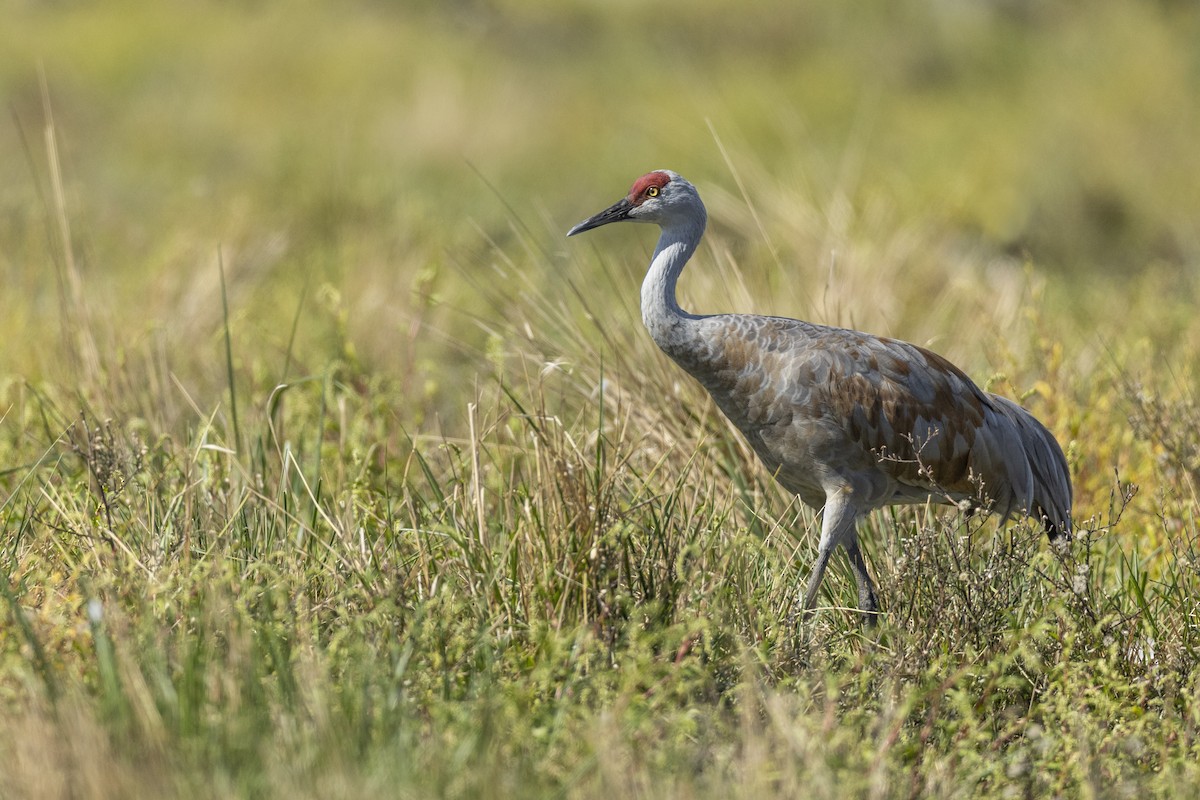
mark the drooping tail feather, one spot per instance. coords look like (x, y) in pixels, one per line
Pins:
(1052, 496)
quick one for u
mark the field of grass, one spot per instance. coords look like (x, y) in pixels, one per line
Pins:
(330, 468)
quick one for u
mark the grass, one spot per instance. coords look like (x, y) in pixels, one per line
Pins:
(329, 468)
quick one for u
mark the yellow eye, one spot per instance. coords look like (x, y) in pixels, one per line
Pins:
(652, 191)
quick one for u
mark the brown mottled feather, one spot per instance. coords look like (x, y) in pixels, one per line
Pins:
(893, 421)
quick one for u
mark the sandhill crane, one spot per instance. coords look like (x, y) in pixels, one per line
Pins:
(847, 421)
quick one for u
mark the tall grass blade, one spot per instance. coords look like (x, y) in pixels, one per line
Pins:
(229, 370)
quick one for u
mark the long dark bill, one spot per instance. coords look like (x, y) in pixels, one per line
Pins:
(614, 213)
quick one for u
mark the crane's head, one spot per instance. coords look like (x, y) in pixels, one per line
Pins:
(663, 197)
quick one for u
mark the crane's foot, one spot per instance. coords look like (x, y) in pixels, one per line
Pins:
(797, 638)
(798, 619)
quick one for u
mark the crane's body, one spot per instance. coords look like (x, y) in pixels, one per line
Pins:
(847, 421)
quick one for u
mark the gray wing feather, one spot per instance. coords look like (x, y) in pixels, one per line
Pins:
(1051, 496)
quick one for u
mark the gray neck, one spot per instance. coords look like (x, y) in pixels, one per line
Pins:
(669, 325)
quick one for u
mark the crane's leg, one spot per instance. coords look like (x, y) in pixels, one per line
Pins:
(837, 527)
(867, 602)
(814, 580)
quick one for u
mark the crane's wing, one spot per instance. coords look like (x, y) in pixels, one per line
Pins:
(900, 419)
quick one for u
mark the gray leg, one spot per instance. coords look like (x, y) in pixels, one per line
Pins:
(866, 590)
(814, 580)
(837, 526)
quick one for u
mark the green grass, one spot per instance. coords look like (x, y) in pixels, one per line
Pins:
(329, 468)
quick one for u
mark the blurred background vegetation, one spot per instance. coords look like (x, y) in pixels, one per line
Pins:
(390, 149)
(371, 199)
